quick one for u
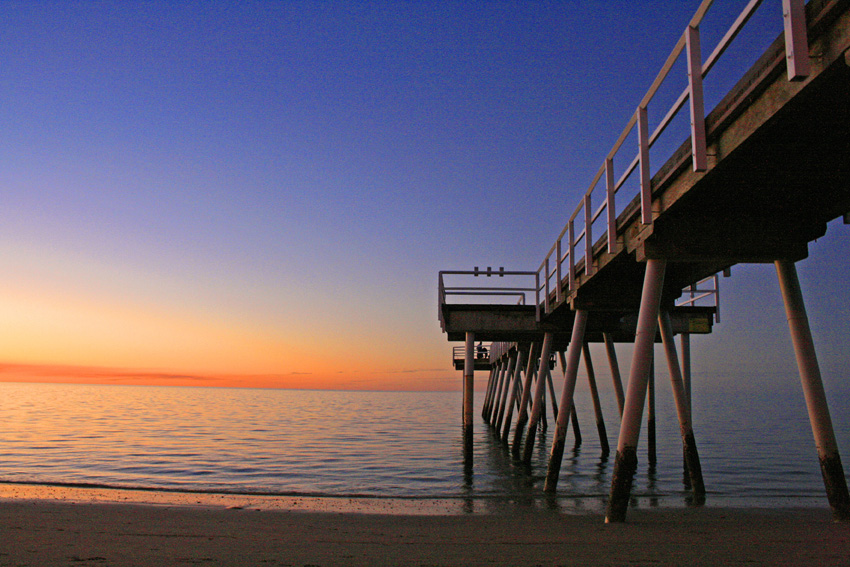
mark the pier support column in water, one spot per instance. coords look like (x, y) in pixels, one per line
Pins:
(689, 445)
(570, 374)
(597, 406)
(573, 413)
(509, 375)
(615, 371)
(686, 382)
(807, 363)
(516, 387)
(552, 393)
(625, 462)
(497, 376)
(522, 416)
(537, 408)
(486, 403)
(650, 416)
(498, 379)
(468, 384)
(686, 368)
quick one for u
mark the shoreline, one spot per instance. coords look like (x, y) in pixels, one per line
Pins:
(382, 505)
(50, 532)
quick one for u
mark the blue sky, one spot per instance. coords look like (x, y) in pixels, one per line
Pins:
(270, 188)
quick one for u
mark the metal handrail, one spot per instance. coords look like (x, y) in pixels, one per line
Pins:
(488, 291)
(459, 352)
(697, 293)
(688, 43)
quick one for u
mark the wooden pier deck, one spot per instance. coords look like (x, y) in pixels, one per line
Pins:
(759, 178)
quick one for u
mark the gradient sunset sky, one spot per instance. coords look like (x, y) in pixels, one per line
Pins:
(262, 193)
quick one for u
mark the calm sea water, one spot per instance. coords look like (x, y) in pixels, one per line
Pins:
(756, 448)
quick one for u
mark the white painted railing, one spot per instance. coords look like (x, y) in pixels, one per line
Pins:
(572, 253)
(701, 293)
(521, 294)
(481, 351)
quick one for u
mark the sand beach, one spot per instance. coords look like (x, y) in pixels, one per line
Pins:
(40, 532)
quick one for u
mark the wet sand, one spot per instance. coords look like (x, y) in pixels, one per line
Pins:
(53, 532)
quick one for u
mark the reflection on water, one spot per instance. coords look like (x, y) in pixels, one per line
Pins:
(387, 445)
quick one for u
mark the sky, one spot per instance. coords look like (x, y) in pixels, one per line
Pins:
(263, 193)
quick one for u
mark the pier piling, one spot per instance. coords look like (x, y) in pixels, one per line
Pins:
(516, 387)
(468, 385)
(651, 454)
(487, 392)
(509, 374)
(615, 371)
(810, 377)
(576, 425)
(573, 413)
(522, 416)
(537, 407)
(686, 382)
(597, 406)
(625, 461)
(544, 423)
(689, 446)
(552, 394)
(497, 391)
(556, 455)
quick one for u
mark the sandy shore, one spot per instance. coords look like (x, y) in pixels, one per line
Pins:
(49, 532)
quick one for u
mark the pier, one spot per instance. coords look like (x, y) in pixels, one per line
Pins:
(640, 257)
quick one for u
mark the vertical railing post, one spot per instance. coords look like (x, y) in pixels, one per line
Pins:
(558, 294)
(537, 296)
(572, 233)
(796, 39)
(716, 298)
(610, 206)
(546, 284)
(645, 179)
(698, 151)
(588, 237)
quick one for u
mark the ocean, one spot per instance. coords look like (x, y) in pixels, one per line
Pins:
(756, 446)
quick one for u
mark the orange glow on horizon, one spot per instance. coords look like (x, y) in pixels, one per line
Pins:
(415, 380)
(58, 333)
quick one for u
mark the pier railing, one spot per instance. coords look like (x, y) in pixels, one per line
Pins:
(705, 291)
(479, 352)
(572, 253)
(520, 288)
